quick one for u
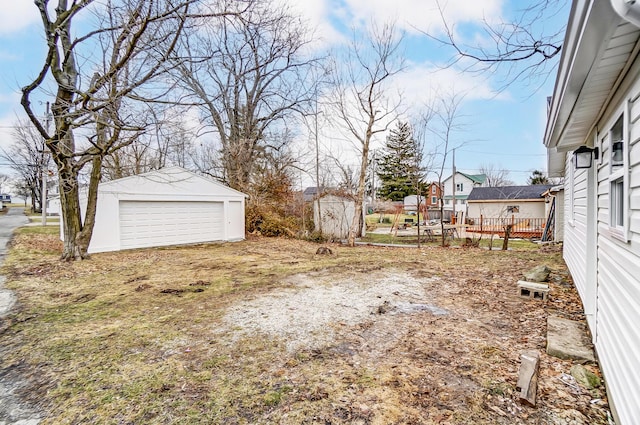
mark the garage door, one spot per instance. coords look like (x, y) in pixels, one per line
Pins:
(152, 223)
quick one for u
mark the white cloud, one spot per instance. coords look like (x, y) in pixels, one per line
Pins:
(422, 15)
(420, 84)
(333, 20)
(20, 14)
(317, 14)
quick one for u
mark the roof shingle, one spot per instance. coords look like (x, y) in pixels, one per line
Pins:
(508, 192)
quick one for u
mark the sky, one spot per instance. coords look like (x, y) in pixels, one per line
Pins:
(502, 127)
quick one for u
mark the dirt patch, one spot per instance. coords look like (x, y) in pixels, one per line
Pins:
(309, 314)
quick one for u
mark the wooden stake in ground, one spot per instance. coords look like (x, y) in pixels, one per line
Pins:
(528, 377)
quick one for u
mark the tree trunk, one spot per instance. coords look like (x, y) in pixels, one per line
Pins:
(507, 233)
(71, 219)
(84, 237)
(356, 224)
(442, 234)
(77, 234)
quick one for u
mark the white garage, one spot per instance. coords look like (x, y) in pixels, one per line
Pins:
(171, 206)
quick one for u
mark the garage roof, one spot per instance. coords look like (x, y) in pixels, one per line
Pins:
(508, 192)
(168, 179)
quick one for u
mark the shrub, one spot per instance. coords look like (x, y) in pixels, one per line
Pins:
(316, 237)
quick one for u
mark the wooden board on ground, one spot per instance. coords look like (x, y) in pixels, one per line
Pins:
(528, 377)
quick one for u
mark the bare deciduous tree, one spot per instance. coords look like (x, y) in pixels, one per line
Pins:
(496, 177)
(445, 125)
(167, 142)
(360, 100)
(525, 48)
(27, 158)
(250, 74)
(96, 77)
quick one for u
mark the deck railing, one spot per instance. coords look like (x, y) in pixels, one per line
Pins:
(526, 228)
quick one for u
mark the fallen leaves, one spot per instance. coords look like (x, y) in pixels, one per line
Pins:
(141, 335)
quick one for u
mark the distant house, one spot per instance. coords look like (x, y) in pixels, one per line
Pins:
(455, 198)
(432, 197)
(311, 193)
(499, 202)
(429, 199)
(53, 205)
(592, 138)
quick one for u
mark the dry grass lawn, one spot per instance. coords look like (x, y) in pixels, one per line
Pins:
(266, 332)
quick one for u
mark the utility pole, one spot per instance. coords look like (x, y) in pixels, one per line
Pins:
(317, 166)
(453, 183)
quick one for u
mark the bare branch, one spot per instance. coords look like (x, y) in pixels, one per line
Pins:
(523, 48)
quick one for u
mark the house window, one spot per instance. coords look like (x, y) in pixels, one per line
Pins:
(459, 187)
(434, 200)
(617, 203)
(617, 143)
(447, 202)
(512, 209)
(433, 189)
(618, 177)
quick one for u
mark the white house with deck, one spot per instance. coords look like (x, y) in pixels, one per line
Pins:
(593, 141)
(171, 206)
(522, 202)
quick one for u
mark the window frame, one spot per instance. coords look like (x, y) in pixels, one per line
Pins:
(618, 179)
(572, 186)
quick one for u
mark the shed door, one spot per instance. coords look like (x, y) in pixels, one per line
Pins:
(158, 223)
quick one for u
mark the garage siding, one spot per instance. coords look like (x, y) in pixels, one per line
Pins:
(162, 223)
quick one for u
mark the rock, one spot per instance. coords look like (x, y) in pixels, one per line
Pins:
(586, 378)
(537, 274)
(384, 307)
(567, 339)
(323, 250)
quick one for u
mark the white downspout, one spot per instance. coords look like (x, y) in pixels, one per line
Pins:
(628, 10)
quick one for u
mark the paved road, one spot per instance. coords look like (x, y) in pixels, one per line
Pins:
(8, 223)
(12, 410)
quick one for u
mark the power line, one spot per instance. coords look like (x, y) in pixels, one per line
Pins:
(509, 171)
(505, 154)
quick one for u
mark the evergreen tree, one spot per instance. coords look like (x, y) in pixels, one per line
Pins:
(538, 177)
(399, 167)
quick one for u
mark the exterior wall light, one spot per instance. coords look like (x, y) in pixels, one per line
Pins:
(628, 10)
(583, 157)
